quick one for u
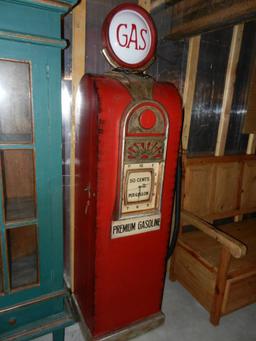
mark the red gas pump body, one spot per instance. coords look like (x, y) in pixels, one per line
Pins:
(123, 121)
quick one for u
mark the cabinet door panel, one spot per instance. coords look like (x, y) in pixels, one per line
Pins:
(15, 100)
(22, 256)
(18, 184)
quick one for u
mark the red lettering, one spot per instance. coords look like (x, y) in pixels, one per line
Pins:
(143, 30)
(133, 37)
(125, 40)
(123, 35)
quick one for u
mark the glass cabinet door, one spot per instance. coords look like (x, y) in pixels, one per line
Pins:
(18, 215)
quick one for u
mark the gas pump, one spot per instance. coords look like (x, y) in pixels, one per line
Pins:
(127, 140)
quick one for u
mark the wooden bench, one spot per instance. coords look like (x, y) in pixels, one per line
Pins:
(215, 255)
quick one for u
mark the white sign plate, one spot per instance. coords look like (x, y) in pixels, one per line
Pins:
(130, 36)
(129, 227)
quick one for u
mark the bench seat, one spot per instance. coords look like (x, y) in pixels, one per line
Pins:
(209, 249)
(217, 263)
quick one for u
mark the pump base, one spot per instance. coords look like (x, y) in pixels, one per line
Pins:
(127, 333)
(133, 330)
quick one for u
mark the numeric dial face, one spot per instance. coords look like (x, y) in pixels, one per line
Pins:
(140, 187)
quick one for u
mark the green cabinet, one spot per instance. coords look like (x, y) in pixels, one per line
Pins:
(32, 295)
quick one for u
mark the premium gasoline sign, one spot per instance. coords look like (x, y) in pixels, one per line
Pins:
(129, 227)
(129, 37)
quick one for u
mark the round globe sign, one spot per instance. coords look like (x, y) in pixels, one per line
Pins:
(129, 37)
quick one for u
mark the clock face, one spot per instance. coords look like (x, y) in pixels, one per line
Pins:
(140, 187)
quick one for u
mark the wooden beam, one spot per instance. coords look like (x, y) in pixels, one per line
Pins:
(196, 16)
(189, 87)
(225, 259)
(146, 4)
(159, 4)
(250, 118)
(78, 70)
(229, 88)
(251, 146)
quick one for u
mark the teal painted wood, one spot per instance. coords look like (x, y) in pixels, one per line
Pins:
(21, 18)
(59, 335)
(33, 39)
(33, 17)
(47, 134)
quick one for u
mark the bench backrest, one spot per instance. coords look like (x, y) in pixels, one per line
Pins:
(219, 187)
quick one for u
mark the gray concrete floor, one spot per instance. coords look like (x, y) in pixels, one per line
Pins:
(186, 320)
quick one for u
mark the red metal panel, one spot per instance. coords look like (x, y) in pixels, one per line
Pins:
(126, 275)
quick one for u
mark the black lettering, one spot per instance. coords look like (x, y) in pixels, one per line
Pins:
(124, 228)
(157, 222)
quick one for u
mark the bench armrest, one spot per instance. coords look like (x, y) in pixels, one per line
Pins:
(235, 247)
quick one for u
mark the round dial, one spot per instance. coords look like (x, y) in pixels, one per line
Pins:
(139, 184)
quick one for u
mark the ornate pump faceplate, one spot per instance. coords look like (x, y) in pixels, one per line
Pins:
(129, 37)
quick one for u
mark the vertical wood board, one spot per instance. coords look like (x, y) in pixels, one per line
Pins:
(78, 69)
(229, 88)
(251, 147)
(146, 4)
(189, 87)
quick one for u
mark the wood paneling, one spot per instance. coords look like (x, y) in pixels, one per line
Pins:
(248, 195)
(228, 187)
(198, 189)
(194, 275)
(240, 292)
(196, 16)
(219, 187)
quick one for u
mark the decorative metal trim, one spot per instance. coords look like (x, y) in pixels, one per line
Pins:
(118, 211)
(28, 38)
